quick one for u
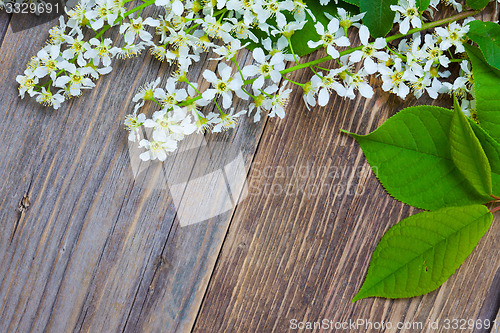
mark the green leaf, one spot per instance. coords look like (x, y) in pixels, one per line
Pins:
(308, 32)
(467, 153)
(423, 4)
(492, 151)
(477, 4)
(379, 17)
(486, 91)
(410, 154)
(353, 2)
(487, 36)
(421, 252)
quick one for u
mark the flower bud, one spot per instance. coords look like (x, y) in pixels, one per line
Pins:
(307, 87)
(434, 72)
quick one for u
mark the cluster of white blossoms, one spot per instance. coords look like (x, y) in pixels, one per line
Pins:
(183, 30)
(68, 63)
(190, 29)
(415, 65)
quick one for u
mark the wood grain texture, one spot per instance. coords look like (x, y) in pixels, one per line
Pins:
(96, 249)
(87, 245)
(79, 182)
(497, 328)
(4, 23)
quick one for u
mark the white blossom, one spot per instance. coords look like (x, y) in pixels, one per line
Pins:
(226, 120)
(394, 79)
(408, 11)
(134, 123)
(453, 35)
(137, 27)
(45, 97)
(329, 38)
(157, 149)
(224, 86)
(99, 51)
(369, 50)
(264, 69)
(27, 82)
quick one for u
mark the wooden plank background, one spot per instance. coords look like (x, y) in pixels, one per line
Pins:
(86, 246)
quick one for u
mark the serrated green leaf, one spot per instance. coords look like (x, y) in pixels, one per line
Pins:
(308, 32)
(487, 36)
(411, 155)
(486, 91)
(492, 151)
(477, 4)
(421, 252)
(379, 17)
(353, 2)
(467, 153)
(423, 4)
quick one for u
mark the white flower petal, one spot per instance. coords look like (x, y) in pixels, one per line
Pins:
(177, 7)
(320, 29)
(365, 90)
(332, 52)
(364, 34)
(209, 94)
(404, 26)
(258, 55)
(356, 56)
(227, 100)
(342, 41)
(415, 22)
(333, 25)
(323, 97)
(210, 76)
(380, 43)
(370, 66)
(224, 71)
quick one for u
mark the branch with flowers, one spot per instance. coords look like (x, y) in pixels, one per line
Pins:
(447, 162)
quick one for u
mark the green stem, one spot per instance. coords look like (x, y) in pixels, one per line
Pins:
(396, 53)
(192, 27)
(291, 49)
(496, 209)
(189, 101)
(193, 86)
(262, 91)
(222, 14)
(159, 104)
(239, 69)
(119, 20)
(242, 78)
(299, 84)
(322, 68)
(451, 54)
(218, 107)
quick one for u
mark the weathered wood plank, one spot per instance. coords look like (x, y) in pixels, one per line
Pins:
(190, 252)
(491, 303)
(4, 23)
(99, 249)
(90, 226)
(299, 246)
(80, 183)
(496, 329)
